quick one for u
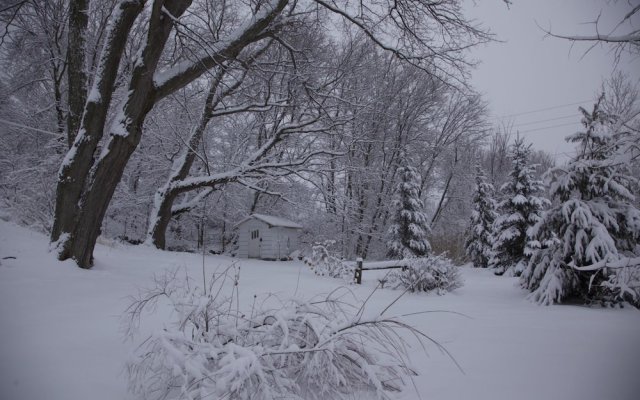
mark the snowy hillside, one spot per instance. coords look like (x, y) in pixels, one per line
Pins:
(61, 335)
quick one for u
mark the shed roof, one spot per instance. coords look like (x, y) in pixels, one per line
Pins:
(272, 221)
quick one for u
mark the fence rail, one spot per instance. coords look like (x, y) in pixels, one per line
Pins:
(377, 265)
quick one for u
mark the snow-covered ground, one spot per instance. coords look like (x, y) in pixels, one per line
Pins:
(61, 334)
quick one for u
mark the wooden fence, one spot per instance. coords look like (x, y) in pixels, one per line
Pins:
(377, 265)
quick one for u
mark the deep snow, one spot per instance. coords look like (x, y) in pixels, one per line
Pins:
(61, 336)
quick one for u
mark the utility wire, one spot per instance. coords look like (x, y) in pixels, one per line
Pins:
(546, 120)
(542, 109)
(548, 127)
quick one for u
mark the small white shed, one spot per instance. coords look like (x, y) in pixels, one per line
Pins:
(267, 237)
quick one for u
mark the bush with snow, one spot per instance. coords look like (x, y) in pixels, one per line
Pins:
(322, 349)
(323, 261)
(426, 274)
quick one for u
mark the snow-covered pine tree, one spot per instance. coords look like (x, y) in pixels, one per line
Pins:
(408, 233)
(588, 242)
(519, 209)
(478, 241)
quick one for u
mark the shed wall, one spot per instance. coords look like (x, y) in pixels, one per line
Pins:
(277, 242)
(244, 236)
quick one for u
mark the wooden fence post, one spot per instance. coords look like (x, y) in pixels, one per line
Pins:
(358, 272)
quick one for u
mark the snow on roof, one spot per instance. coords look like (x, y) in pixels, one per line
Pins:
(272, 221)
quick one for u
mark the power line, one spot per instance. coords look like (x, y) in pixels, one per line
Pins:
(545, 120)
(549, 127)
(542, 109)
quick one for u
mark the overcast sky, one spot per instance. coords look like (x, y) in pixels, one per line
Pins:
(530, 72)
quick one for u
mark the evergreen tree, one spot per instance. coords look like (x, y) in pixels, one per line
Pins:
(518, 211)
(478, 242)
(408, 234)
(588, 242)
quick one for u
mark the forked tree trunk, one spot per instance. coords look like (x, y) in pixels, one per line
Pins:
(125, 135)
(82, 201)
(80, 158)
(81, 205)
(96, 201)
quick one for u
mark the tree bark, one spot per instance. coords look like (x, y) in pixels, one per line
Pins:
(445, 191)
(362, 192)
(162, 214)
(76, 68)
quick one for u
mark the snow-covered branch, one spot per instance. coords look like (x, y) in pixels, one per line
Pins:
(247, 170)
(623, 262)
(191, 203)
(253, 30)
(262, 190)
(628, 40)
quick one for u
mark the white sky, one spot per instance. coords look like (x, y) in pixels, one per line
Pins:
(530, 72)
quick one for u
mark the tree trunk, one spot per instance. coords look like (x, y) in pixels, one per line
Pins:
(76, 69)
(223, 232)
(125, 134)
(80, 158)
(96, 201)
(445, 191)
(363, 192)
(160, 218)
(57, 95)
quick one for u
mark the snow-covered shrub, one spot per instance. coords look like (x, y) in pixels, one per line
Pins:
(325, 262)
(320, 349)
(427, 274)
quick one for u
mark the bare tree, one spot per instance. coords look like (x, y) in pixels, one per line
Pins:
(34, 52)
(163, 208)
(396, 109)
(275, 86)
(620, 41)
(87, 184)
(496, 159)
(153, 48)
